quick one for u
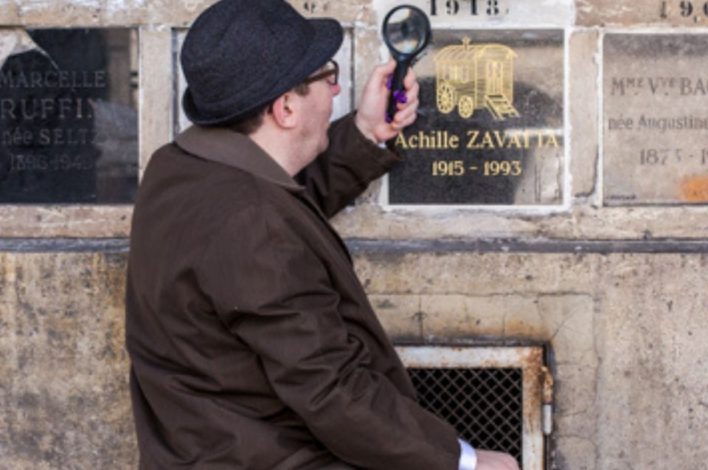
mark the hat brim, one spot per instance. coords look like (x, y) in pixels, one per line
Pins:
(325, 43)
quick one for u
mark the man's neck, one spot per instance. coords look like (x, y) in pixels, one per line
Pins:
(279, 147)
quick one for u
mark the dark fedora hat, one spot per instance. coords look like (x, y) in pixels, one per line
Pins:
(241, 54)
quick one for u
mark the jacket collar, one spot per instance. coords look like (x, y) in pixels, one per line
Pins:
(230, 148)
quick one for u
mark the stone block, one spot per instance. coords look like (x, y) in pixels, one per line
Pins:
(457, 316)
(65, 221)
(179, 13)
(652, 396)
(476, 274)
(643, 12)
(157, 71)
(584, 68)
(481, 13)
(574, 453)
(400, 315)
(569, 321)
(65, 396)
(345, 11)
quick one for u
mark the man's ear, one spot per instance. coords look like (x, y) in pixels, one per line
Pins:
(285, 110)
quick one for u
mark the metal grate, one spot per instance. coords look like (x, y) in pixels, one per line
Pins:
(493, 396)
(484, 405)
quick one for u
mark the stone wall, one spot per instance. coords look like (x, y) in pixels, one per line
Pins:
(612, 277)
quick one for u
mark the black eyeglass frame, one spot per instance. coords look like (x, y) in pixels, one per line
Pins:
(325, 74)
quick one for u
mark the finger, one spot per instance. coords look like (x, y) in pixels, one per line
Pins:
(407, 106)
(404, 111)
(400, 125)
(382, 71)
(410, 79)
(413, 91)
(405, 118)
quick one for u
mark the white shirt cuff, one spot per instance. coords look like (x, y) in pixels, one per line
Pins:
(468, 456)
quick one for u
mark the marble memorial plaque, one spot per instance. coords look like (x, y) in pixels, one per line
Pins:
(655, 129)
(68, 116)
(342, 102)
(490, 128)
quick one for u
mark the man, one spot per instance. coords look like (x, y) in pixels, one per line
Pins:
(253, 345)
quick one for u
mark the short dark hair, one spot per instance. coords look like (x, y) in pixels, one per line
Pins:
(252, 121)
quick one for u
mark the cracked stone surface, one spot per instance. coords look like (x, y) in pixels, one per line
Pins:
(64, 373)
(626, 332)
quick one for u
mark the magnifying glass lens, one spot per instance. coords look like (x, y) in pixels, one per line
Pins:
(406, 31)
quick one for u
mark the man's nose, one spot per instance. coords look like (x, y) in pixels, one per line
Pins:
(336, 89)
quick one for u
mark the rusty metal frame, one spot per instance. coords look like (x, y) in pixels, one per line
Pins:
(528, 359)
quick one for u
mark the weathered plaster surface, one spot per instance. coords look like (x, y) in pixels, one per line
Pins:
(639, 12)
(156, 107)
(143, 12)
(653, 385)
(584, 97)
(64, 372)
(626, 333)
(625, 330)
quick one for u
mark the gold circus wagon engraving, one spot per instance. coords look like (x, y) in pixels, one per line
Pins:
(476, 76)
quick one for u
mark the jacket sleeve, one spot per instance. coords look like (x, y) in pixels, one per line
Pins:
(280, 302)
(345, 170)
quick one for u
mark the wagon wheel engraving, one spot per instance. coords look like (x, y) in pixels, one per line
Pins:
(446, 98)
(465, 107)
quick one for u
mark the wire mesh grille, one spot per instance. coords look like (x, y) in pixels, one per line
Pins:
(484, 405)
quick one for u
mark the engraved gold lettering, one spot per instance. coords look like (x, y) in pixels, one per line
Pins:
(454, 141)
(516, 168)
(431, 140)
(401, 141)
(487, 141)
(552, 141)
(448, 168)
(515, 141)
(499, 139)
(413, 142)
(472, 142)
(502, 168)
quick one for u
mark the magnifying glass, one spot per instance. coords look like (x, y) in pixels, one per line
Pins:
(406, 32)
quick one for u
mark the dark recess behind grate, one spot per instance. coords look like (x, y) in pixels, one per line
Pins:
(484, 405)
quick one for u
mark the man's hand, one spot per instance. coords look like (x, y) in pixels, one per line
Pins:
(371, 115)
(489, 460)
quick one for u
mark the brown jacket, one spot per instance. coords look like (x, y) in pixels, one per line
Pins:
(252, 342)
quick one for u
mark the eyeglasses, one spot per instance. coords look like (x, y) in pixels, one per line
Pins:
(330, 74)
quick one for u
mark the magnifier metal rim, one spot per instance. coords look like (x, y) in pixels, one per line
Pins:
(422, 44)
